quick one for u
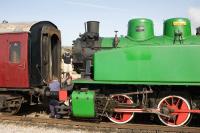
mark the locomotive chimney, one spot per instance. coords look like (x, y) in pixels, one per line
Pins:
(93, 26)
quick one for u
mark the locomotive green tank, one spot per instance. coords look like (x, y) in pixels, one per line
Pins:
(142, 58)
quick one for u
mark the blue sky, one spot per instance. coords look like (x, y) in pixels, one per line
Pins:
(70, 15)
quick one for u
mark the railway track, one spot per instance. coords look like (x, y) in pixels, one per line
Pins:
(96, 127)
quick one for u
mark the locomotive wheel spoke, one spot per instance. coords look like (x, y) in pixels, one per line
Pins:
(172, 100)
(178, 103)
(166, 102)
(121, 117)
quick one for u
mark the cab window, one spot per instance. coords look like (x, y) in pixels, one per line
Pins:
(15, 52)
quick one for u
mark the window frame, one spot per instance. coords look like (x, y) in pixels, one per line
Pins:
(11, 46)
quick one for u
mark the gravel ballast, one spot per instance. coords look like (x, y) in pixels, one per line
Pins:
(20, 128)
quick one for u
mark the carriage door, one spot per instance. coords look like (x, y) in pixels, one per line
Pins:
(50, 48)
(16, 72)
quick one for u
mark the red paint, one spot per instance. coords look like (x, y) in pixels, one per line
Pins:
(134, 110)
(14, 75)
(177, 105)
(63, 95)
(187, 111)
(122, 117)
(154, 110)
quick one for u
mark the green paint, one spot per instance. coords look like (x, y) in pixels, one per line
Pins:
(83, 104)
(138, 38)
(140, 29)
(175, 63)
(86, 81)
(177, 25)
(157, 60)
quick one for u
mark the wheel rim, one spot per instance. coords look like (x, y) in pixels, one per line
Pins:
(176, 103)
(122, 117)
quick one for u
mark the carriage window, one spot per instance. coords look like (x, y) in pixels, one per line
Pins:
(15, 52)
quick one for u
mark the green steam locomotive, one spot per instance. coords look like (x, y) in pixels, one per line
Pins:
(137, 73)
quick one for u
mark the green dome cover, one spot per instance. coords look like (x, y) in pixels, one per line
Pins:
(140, 29)
(177, 25)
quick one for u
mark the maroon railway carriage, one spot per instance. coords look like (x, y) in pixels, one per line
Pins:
(29, 54)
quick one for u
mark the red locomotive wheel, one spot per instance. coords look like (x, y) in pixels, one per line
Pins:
(121, 118)
(175, 104)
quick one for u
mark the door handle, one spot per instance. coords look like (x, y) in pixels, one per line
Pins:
(23, 66)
